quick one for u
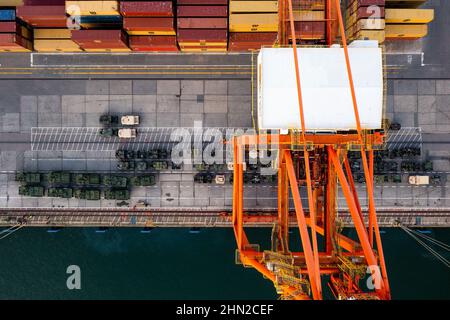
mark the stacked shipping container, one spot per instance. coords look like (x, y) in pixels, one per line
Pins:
(150, 25)
(96, 14)
(202, 25)
(14, 36)
(252, 24)
(43, 13)
(365, 19)
(50, 40)
(102, 26)
(309, 21)
(404, 20)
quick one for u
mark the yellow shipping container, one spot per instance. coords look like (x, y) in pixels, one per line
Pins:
(409, 15)
(405, 3)
(202, 44)
(56, 45)
(14, 49)
(204, 49)
(92, 8)
(409, 31)
(369, 34)
(257, 22)
(52, 34)
(308, 15)
(151, 33)
(26, 33)
(11, 3)
(108, 50)
(253, 6)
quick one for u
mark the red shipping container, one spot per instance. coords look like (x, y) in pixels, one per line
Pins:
(48, 23)
(146, 8)
(209, 35)
(44, 2)
(202, 2)
(100, 38)
(153, 43)
(8, 26)
(43, 16)
(13, 40)
(246, 38)
(202, 11)
(202, 23)
(41, 12)
(143, 24)
(309, 30)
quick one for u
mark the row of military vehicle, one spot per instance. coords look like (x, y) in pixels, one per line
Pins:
(409, 152)
(392, 166)
(157, 165)
(85, 179)
(112, 120)
(395, 178)
(248, 178)
(67, 193)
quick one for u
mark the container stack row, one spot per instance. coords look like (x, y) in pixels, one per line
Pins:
(95, 14)
(150, 25)
(202, 25)
(309, 22)
(252, 24)
(101, 25)
(365, 19)
(406, 20)
(14, 36)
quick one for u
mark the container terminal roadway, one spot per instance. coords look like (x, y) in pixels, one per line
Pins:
(46, 95)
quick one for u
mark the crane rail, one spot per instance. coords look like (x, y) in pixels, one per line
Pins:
(192, 217)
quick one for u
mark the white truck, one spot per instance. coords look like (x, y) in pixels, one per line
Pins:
(129, 120)
(127, 133)
(419, 180)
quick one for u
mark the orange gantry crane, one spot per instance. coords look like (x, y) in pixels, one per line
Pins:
(316, 163)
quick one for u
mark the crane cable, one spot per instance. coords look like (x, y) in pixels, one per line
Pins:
(427, 247)
(11, 230)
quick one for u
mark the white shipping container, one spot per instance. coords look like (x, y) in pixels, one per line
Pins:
(327, 101)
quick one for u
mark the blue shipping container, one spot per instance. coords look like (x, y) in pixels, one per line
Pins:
(7, 15)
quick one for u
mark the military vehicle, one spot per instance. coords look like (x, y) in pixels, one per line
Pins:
(141, 165)
(127, 133)
(435, 179)
(175, 166)
(109, 132)
(84, 179)
(28, 177)
(410, 166)
(117, 194)
(220, 179)
(203, 177)
(393, 178)
(58, 177)
(160, 165)
(395, 126)
(107, 119)
(87, 194)
(153, 154)
(31, 191)
(115, 181)
(144, 180)
(140, 154)
(419, 180)
(428, 166)
(125, 165)
(125, 154)
(378, 178)
(60, 192)
(129, 120)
